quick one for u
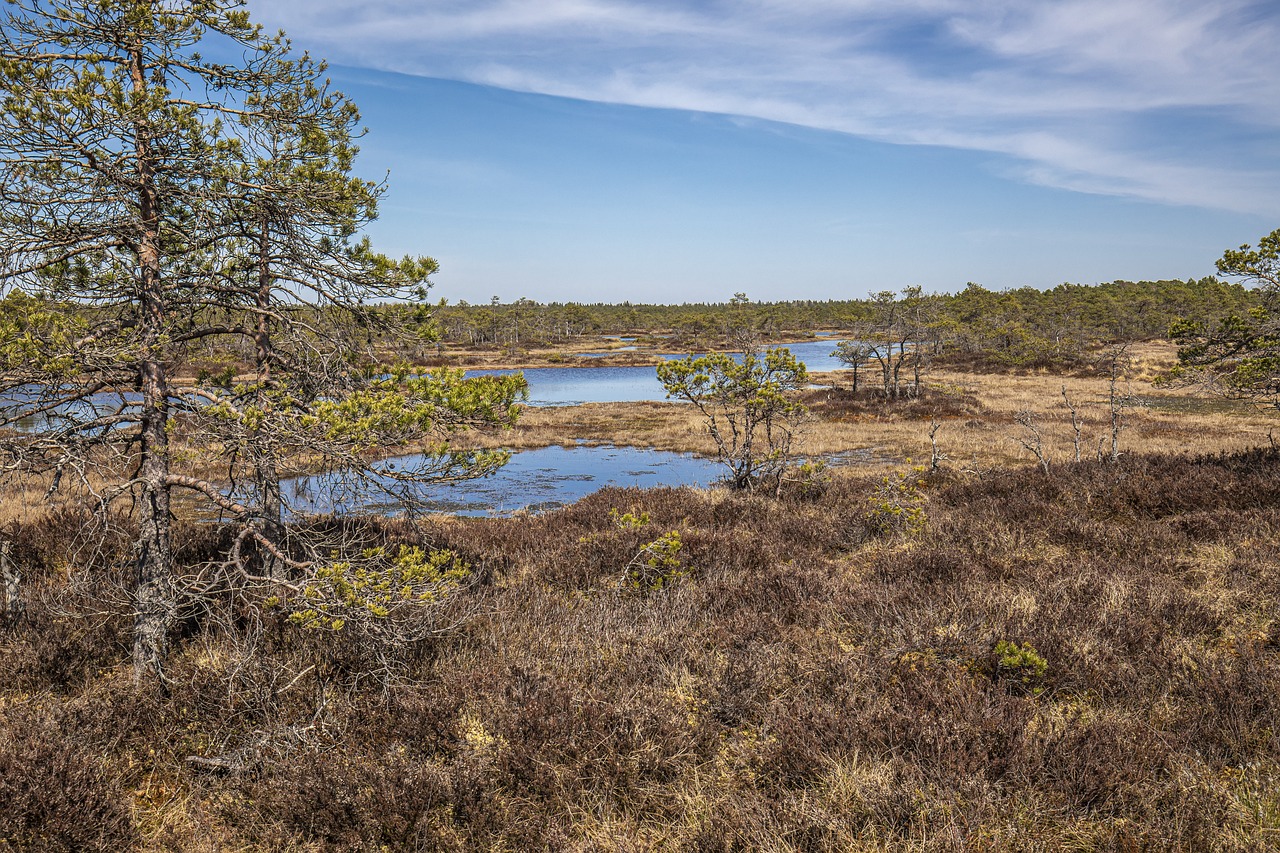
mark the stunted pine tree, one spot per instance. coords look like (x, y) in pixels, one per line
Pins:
(887, 337)
(153, 200)
(748, 408)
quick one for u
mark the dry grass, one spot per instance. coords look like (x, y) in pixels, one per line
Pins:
(976, 412)
(815, 675)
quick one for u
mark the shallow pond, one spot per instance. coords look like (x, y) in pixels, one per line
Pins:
(817, 356)
(540, 479)
(814, 355)
(606, 353)
(569, 386)
(548, 386)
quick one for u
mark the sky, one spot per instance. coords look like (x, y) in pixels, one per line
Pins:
(661, 151)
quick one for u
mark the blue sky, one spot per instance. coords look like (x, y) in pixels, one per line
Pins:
(603, 150)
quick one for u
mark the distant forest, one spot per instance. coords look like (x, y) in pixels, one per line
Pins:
(1022, 327)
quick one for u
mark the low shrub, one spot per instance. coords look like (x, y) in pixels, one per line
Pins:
(57, 792)
(1087, 659)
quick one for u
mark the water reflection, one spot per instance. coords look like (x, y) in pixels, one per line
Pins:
(569, 386)
(540, 479)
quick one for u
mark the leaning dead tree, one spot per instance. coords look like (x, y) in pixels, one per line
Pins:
(1076, 424)
(1117, 364)
(1033, 441)
(154, 202)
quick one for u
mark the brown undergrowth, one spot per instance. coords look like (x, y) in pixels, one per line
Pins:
(1085, 660)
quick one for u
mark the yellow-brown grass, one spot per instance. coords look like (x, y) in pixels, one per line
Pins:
(977, 427)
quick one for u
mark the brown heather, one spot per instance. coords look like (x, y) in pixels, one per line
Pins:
(808, 685)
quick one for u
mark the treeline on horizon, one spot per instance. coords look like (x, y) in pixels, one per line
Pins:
(981, 328)
(1018, 327)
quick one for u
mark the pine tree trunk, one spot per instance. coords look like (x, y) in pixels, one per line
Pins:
(267, 468)
(155, 605)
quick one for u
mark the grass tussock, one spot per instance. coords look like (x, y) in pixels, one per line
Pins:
(1085, 660)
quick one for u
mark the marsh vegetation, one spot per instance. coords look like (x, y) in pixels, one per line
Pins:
(1086, 659)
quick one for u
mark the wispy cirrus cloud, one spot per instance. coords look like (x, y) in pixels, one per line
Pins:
(1173, 101)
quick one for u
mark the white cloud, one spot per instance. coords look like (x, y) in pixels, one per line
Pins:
(1080, 91)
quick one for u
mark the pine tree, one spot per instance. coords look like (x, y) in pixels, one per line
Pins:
(154, 200)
